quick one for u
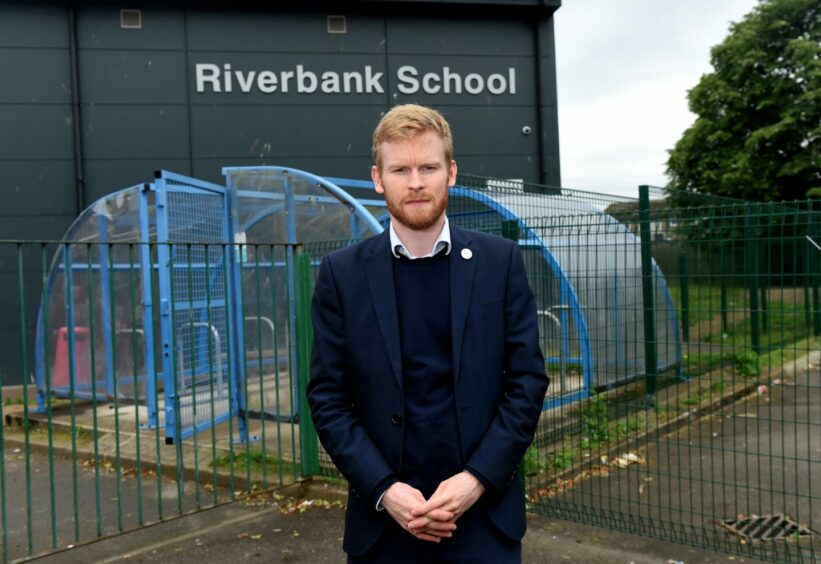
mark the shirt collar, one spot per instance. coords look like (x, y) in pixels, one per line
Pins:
(442, 242)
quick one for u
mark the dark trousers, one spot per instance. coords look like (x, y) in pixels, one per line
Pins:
(476, 540)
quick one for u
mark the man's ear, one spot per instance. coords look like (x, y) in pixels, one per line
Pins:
(452, 174)
(377, 180)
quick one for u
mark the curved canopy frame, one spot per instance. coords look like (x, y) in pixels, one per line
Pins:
(583, 266)
(596, 263)
(159, 242)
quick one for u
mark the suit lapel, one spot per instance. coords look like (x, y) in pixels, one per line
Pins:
(379, 271)
(463, 257)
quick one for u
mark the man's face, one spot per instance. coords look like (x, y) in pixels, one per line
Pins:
(415, 178)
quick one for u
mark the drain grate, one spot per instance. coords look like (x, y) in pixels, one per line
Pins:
(765, 528)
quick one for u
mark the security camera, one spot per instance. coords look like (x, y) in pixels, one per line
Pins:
(526, 130)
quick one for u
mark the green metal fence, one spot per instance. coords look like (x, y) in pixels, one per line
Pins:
(723, 453)
(84, 459)
(693, 414)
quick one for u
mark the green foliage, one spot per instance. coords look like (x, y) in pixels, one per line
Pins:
(82, 434)
(531, 461)
(746, 363)
(758, 131)
(705, 300)
(596, 419)
(701, 394)
(785, 325)
(241, 460)
(630, 424)
(562, 459)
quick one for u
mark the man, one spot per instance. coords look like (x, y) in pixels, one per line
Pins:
(427, 380)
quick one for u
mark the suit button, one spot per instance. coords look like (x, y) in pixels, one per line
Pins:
(396, 419)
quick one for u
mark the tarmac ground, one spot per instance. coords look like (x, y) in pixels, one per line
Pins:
(270, 530)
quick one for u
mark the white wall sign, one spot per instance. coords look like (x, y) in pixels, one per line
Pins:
(224, 79)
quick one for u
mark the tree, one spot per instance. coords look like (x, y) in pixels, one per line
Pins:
(757, 134)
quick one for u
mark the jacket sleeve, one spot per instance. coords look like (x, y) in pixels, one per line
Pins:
(332, 407)
(511, 431)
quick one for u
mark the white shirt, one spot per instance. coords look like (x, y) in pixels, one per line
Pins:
(442, 242)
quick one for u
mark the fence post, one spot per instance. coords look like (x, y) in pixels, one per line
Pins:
(752, 275)
(814, 269)
(724, 305)
(510, 229)
(648, 294)
(764, 271)
(308, 442)
(685, 297)
(807, 273)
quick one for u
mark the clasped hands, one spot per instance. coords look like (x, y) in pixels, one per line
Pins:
(435, 518)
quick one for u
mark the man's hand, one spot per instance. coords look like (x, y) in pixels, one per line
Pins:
(455, 496)
(402, 502)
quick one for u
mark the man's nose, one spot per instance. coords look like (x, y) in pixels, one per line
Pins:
(415, 181)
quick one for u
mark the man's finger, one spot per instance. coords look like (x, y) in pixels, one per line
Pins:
(435, 502)
(437, 515)
(426, 537)
(439, 526)
(431, 524)
(440, 515)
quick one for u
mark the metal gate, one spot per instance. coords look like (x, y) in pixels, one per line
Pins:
(195, 266)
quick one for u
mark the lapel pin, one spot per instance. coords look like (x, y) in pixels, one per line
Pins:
(467, 254)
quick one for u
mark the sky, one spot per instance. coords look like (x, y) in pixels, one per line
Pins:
(623, 70)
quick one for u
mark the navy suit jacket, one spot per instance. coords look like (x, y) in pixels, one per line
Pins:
(355, 392)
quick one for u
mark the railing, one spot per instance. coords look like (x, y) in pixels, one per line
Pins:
(685, 404)
(724, 450)
(88, 450)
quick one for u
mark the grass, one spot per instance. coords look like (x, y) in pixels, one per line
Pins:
(254, 459)
(785, 324)
(781, 356)
(744, 362)
(705, 300)
(703, 393)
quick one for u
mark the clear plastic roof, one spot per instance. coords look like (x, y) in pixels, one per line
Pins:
(276, 204)
(585, 269)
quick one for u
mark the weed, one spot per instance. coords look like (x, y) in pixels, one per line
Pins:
(630, 424)
(702, 393)
(746, 363)
(596, 419)
(254, 459)
(531, 461)
(562, 459)
(81, 434)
